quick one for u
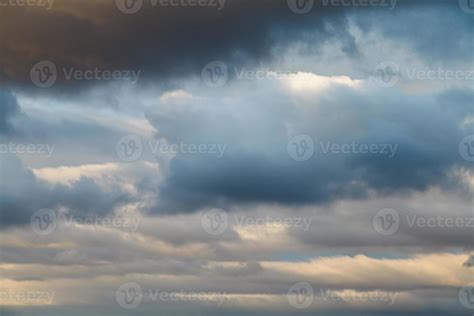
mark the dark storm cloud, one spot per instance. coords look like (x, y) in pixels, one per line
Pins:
(256, 166)
(175, 41)
(163, 40)
(22, 194)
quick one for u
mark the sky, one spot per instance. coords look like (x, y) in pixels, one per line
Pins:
(236, 157)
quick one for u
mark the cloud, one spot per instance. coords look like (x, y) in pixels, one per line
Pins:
(23, 194)
(257, 168)
(166, 42)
